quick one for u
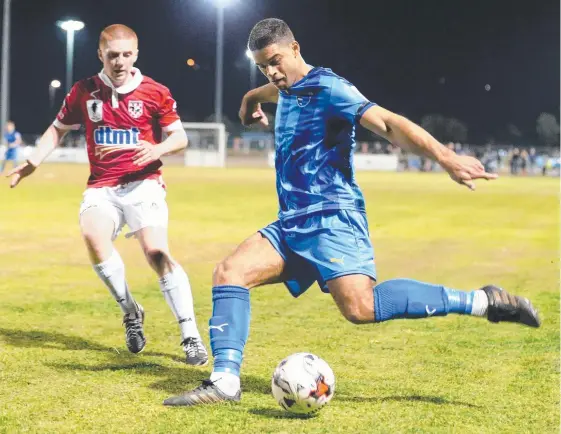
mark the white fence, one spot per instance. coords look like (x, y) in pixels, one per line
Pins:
(379, 162)
(59, 155)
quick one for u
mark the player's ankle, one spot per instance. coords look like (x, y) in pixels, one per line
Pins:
(480, 303)
(227, 382)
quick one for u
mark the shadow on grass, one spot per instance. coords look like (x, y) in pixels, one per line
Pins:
(174, 380)
(438, 400)
(280, 414)
(42, 339)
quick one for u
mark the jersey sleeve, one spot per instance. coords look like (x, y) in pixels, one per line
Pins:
(70, 115)
(167, 116)
(347, 102)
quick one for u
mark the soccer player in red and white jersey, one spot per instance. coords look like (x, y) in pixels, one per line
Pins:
(124, 114)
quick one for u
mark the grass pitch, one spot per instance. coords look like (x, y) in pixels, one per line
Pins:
(64, 366)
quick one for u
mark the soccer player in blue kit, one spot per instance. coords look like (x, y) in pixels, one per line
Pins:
(13, 142)
(322, 232)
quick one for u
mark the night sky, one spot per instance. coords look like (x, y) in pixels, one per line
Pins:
(413, 57)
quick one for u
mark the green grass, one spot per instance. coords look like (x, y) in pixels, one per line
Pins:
(64, 366)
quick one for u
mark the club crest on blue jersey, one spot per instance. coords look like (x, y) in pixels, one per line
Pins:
(303, 101)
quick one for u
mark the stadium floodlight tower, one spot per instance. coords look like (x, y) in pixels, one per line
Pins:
(70, 27)
(218, 89)
(4, 85)
(207, 140)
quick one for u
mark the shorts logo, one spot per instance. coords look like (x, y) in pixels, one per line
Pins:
(135, 108)
(340, 260)
(95, 110)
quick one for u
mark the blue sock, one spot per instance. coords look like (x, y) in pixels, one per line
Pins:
(229, 327)
(407, 298)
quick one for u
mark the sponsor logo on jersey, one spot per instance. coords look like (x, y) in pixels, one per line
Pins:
(109, 140)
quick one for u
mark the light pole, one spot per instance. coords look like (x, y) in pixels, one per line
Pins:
(252, 70)
(219, 64)
(55, 84)
(70, 27)
(218, 89)
(4, 89)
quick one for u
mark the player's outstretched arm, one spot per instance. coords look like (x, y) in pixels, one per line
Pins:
(411, 137)
(47, 143)
(147, 152)
(250, 109)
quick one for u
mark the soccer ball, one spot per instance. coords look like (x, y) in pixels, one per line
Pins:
(303, 383)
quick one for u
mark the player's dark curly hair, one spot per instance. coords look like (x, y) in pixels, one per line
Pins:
(267, 32)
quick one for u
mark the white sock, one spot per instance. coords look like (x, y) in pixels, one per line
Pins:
(112, 273)
(226, 381)
(177, 291)
(480, 303)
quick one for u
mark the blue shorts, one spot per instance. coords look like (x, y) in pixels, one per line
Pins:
(11, 154)
(322, 246)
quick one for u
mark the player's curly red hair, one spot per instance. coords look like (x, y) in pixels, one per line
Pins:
(116, 31)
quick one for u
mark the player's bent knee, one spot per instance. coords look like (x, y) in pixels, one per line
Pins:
(226, 273)
(358, 312)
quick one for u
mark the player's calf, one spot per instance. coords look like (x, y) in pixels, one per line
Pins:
(176, 290)
(229, 329)
(407, 298)
(160, 260)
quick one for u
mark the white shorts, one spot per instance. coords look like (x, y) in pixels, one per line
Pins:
(138, 204)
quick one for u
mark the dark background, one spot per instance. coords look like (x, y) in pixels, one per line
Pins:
(411, 57)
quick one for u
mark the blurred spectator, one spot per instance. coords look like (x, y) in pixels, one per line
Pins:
(12, 140)
(532, 161)
(524, 157)
(460, 150)
(515, 161)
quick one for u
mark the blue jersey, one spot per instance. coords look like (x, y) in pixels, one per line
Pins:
(11, 139)
(315, 139)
